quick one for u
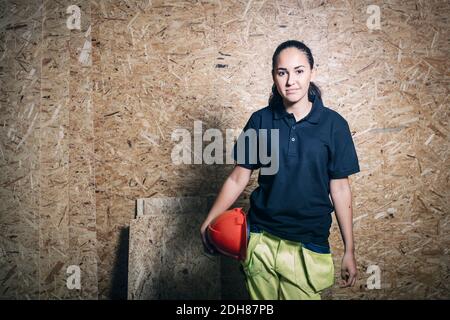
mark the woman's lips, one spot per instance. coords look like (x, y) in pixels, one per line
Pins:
(291, 91)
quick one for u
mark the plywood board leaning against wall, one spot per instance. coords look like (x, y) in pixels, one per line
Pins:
(166, 258)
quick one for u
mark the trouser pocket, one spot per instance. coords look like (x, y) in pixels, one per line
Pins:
(319, 269)
(249, 265)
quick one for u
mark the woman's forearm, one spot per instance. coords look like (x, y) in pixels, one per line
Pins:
(342, 200)
(231, 189)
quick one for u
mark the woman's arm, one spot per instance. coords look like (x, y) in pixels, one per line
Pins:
(342, 200)
(231, 189)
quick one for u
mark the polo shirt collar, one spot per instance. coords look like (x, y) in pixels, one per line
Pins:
(279, 111)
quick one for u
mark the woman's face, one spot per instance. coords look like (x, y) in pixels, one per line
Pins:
(292, 75)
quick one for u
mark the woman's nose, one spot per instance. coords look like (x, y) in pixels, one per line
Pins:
(290, 81)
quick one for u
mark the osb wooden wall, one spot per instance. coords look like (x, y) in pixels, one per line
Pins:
(87, 115)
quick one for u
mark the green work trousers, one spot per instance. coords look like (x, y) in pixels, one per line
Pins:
(278, 269)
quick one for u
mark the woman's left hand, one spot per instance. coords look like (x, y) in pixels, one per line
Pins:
(348, 270)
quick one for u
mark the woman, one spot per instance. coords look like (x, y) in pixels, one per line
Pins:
(288, 254)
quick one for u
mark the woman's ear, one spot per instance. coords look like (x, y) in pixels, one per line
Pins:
(313, 74)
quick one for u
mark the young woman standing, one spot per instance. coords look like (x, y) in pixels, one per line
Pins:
(288, 254)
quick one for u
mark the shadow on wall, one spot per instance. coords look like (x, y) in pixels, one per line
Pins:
(119, 277)
(233, 280)
(213, 176)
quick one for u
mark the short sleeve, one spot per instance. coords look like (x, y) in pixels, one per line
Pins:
(245, 150)
(343, 160)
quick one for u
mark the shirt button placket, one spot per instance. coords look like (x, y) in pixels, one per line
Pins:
(292, 142)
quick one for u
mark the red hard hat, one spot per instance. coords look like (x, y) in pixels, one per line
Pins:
(228, 233)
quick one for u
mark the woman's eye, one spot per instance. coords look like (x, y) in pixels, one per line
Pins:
(282, 73)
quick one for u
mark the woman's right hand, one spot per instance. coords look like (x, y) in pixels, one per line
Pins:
(208, 247)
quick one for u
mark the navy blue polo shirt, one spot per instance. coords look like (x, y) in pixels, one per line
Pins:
(294, 202)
